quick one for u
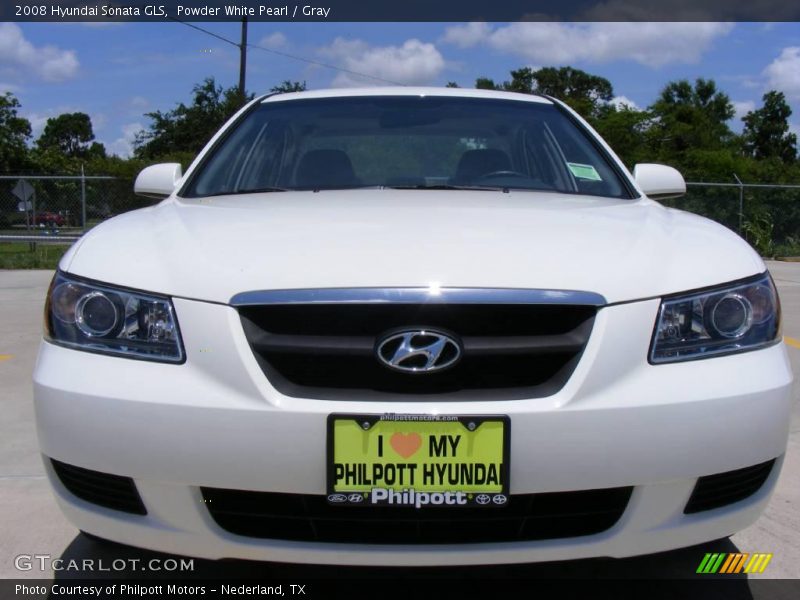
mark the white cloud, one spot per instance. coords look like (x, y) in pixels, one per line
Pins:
(19, 57)
(622, 102)
(650, 44)
(273, 41)
(131, 129)
(783, 73)
(99, 121)
(467, 35)
(37, 121)
(139, 102)
(414, 62)
(135, 106)
(123, 145)
(742, 108)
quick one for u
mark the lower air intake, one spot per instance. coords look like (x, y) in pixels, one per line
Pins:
(722, 489)
(310, 518)
(111, 491)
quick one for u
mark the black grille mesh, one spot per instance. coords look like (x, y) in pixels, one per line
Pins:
(310, 518)
(714, 491)
(110, 491)
(327, 351)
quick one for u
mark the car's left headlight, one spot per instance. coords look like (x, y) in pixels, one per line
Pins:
(736, 317)
(95, 317)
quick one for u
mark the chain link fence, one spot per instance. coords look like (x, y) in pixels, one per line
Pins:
(766, 215)
(60, 208)
(66, 206)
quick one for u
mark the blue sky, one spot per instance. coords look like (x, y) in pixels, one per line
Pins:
(118, 72)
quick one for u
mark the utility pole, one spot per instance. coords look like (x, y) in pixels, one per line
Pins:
(243, 59)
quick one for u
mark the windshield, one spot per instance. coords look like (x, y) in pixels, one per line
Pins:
(405, 142)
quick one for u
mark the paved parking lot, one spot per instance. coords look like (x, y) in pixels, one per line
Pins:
(30, 522)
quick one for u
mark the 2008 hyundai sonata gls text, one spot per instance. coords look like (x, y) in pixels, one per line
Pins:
(411, 327)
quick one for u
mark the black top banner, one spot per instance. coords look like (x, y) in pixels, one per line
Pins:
(403, 10)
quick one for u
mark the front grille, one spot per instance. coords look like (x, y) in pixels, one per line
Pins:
(310, 518)
(110, 491)
(714, 491)
(327, 351)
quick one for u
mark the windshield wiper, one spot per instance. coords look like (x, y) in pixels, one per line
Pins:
(450, 186)
(261, 189)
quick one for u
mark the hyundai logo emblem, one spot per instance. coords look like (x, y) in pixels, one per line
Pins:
(418, 351)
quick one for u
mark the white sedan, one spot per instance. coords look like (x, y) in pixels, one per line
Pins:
(411, 326)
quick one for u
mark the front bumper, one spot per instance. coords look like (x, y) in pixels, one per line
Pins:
(216, 422)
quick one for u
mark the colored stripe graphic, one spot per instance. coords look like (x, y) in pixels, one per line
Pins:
(726, 566)
(703, 563)
(734, 562)
(711, 563)
(765, 563)
(717, 564)
(751, 563)
(758, 563)
(740, 564)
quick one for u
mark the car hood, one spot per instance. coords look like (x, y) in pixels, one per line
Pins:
(213, 248)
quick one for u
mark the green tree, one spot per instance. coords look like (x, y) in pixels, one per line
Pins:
(584, 92)
(522, 81)
(71, 135)
(14, 133)
(626, 130)
(484, 83)
(287, 86)
(691, 117)
(766, 130)
(184, 130)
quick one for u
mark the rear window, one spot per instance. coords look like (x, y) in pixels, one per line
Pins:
(406, 142)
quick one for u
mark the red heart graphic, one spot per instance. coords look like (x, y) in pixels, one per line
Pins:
(405, 444)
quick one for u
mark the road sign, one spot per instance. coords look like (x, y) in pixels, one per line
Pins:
(23, 190)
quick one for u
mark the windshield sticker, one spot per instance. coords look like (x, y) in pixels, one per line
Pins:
(584, 171)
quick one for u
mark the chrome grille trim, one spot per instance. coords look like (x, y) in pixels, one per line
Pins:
(417, 295)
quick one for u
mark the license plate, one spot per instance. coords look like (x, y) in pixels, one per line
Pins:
(418, 460)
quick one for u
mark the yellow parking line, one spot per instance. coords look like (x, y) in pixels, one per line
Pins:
(5, 357)
(792, 342)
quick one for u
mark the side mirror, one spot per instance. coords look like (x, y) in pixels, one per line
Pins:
(158, 181)
(659, 181)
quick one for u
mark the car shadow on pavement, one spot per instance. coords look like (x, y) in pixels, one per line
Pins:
(670, 569)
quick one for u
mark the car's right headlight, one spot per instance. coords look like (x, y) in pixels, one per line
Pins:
(95, 317)
(732, 318)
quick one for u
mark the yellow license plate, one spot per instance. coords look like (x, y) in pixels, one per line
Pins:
(418, 460)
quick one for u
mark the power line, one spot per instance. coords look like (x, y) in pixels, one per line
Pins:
(322, 64)
(291, 56)
(211, 33)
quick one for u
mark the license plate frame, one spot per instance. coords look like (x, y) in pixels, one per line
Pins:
(486, 437)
